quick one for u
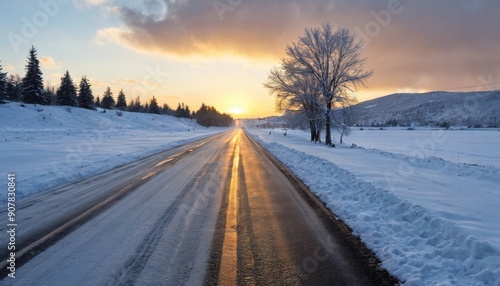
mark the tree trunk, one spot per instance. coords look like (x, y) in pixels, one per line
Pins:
(313, 130)
(328, 139)
(318, 136)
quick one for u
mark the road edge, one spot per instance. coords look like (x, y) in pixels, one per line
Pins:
(331, 220)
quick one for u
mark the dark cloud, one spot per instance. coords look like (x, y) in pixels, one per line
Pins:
(419, 44)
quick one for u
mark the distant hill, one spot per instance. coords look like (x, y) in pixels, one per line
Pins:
(432, 108)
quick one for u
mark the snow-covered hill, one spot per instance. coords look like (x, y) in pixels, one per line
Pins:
(49, 145)
(433, 108)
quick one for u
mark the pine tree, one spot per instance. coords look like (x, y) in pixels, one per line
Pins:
(32, 81)
(153, 106)
(49, 93)
(167, 110)
(98, 102)
(14, 87)
(187, 112)
(85, 96)
(209, 116)
(137, 105)
(121, 102)
(108, 101)
(66, 93)
(179, 111)
(3, 85)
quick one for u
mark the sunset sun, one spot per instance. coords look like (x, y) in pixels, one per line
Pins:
(236, 110)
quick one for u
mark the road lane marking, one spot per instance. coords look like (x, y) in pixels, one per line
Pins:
(228, 274)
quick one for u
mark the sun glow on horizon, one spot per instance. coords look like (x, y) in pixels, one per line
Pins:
(236, 111)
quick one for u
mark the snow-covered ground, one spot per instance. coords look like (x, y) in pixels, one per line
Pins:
(50, 145)
(425, 201)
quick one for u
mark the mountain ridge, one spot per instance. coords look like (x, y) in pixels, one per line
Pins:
(437, 108)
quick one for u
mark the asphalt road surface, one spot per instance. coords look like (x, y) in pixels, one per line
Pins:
(218, 211)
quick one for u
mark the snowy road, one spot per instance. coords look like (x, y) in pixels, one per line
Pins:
(216, 211)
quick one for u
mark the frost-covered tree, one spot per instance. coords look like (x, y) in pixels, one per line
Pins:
(33, 81)
(153, 106)
(121, 102)
(298, 96)
(343, 118)
(85, 96)
(3, 85)
(108, 101)
(333, 57)
(66, 93)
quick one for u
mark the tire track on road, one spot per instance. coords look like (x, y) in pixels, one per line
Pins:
(132, 269)
(36, 245)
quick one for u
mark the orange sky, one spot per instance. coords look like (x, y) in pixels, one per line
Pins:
(219, 52)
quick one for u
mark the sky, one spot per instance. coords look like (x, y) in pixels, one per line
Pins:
(220, 51)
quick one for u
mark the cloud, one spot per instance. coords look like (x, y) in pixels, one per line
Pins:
(201, 28)
(86, 4)
(8, 67)
(410, 44)
(133, 82)
(49, 63)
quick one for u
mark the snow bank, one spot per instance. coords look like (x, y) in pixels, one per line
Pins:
(418, 237)
(49, 145)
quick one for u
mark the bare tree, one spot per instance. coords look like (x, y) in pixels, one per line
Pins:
(344, 116)
(333, 58)
(297, 95)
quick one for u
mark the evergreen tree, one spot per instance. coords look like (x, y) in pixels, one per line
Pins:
(178, 111)
(182, 111)
(98, 102)
(85, 96)
(167, 110)
(49, 93)
(32, 81)
(121, 102)
(3, 85)
(66, 93)
(145, 109)
(153, 106)
(108, 101)
(138, 106)
(135, 105)
(209, 116)
(14, 87)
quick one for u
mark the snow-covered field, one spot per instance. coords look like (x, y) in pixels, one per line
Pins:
(425, 201)
(50, 145)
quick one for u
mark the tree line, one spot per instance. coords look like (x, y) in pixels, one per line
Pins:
(30, 89)
(317, 76)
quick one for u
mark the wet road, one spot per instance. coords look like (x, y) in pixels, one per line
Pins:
(275, 233)
(219, 211)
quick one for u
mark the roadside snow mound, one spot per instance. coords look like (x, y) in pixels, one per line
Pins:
(416, 246)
